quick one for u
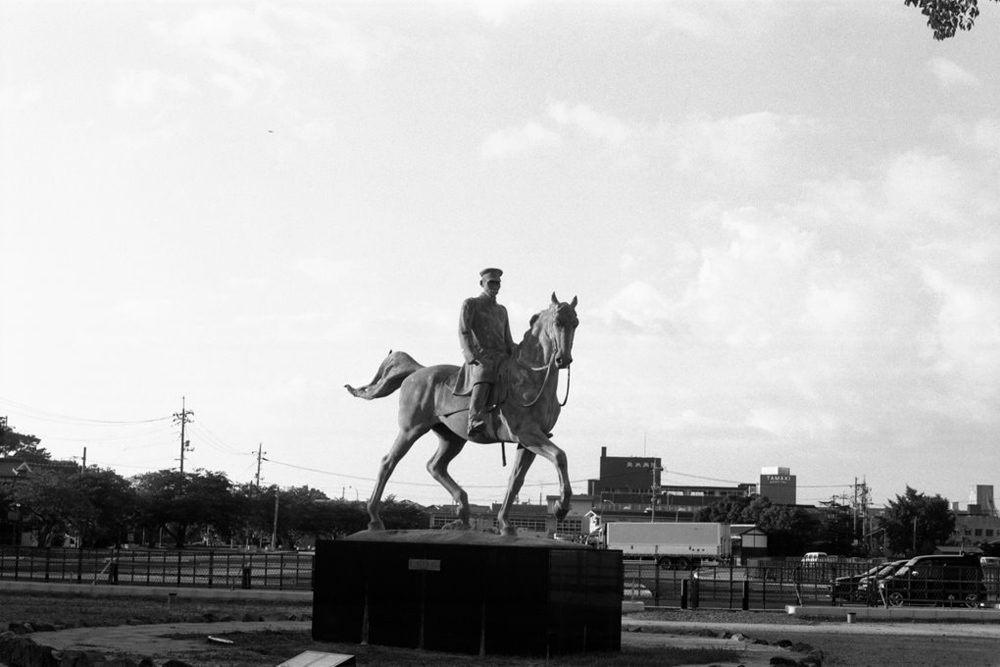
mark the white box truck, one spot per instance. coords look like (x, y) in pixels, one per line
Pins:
(672, 545)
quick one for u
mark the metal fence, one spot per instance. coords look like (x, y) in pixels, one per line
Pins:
(762, 586)
(189, 568)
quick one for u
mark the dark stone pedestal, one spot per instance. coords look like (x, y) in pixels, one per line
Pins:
(467, 593)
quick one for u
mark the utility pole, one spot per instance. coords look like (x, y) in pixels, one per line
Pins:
(854, 509)
(3, 435)
(274, 530)
(184, 416)
(260, 457)
(656, 492)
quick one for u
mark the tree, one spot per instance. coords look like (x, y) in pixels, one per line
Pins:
(915, 523)
(403, 514)
(115, 502)
(52, 503)
(20, 446)
(182, 503)
(945, 17)
(728, 510)
(789, 529)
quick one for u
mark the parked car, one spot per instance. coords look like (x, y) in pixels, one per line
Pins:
(846, 588)
(935, 580)
(990, 561)
(868, 588)
(815, 557)
(860, 587)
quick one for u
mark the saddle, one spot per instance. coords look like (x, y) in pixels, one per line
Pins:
(460, 384)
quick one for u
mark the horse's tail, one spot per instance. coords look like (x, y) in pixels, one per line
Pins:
(395, 368)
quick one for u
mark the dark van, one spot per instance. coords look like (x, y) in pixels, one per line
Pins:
(937, 580)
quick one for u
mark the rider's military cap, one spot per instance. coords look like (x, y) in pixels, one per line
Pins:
(490, 274)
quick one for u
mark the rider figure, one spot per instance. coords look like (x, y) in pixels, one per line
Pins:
(484, 334)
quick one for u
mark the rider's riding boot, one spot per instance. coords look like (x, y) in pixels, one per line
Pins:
(477, 409)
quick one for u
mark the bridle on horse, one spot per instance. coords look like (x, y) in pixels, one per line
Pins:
(545, 381)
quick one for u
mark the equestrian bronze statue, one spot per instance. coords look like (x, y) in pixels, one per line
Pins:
(523, 409)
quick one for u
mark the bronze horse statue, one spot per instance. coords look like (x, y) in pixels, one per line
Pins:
(529, 410)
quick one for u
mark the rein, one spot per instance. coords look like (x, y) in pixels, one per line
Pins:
(545, 381)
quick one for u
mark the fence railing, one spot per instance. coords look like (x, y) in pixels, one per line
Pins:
(769, 585)
(764, 585)
(187, 568)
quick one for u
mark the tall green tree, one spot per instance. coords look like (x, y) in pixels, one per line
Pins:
(402, 515)
(20, 446)
(184, 505)
(915, 523)
(789, 529)
(116, 504)
(946, 17)
(52, 505)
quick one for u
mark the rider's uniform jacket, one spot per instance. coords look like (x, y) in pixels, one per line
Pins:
(484, 334)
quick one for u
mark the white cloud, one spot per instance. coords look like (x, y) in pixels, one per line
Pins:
(143, 88)
(745, 144)
(949, 74)
(514, 141)
(920, 188)
(600, 127)
(335, 40)
(968, 327)
(983, 134)
(225, 25)
(556, 127)
(638, 308)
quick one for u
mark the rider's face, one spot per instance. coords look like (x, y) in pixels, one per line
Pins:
(491, 287)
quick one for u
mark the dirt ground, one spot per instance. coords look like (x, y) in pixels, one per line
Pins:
(281, 631)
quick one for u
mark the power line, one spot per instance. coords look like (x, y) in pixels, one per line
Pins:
(56, 418)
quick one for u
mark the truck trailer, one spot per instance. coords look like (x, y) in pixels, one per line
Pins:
(673, 545)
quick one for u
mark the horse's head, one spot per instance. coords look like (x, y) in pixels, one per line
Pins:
(556, 327)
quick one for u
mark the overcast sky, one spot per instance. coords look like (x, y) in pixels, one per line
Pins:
(781, 219)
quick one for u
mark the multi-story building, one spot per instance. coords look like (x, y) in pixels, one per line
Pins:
(980, 522)
(778, 484)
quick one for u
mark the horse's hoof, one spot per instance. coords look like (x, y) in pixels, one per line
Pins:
(376, 525)
(509, 532)
(561, 511)
(456, 525)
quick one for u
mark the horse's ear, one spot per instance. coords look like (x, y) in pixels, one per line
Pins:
(573, 303)
(554, 299)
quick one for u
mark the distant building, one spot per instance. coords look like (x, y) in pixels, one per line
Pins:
(778, 484)
(981, 500)
(625, 477)
(980, 522)
(628, 486)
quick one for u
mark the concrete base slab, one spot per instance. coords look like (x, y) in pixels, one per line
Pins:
(854, 614)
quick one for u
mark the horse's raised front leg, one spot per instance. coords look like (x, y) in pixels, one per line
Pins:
(449, 447)
(551, 452)
(404, 440)
(523, 459)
